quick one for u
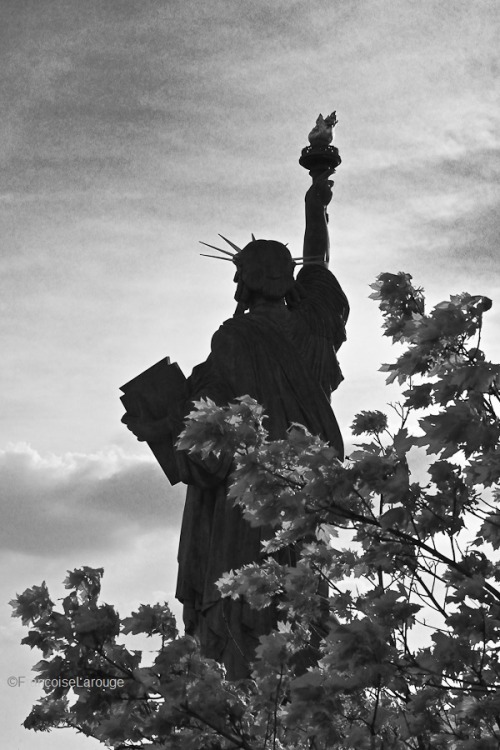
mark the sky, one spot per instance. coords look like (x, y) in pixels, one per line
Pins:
(131, 130)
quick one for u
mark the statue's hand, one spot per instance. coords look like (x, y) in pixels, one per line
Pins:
(320, 192)
(147, 431)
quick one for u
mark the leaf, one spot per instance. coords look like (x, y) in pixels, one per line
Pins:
(150, 619)
(273, 652)
(369, 422)
(457, 428)
(47, 714)
(86, 582)
(485, 468)
(212, 429)
(395, 517)
(96, 624)
(419, 396)
(33, 604)
(403, 442)
(309, 686)
(490, 529)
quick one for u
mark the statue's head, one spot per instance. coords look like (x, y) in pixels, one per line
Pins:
(264, 267)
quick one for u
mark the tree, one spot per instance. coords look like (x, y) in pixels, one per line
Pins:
(399, 651)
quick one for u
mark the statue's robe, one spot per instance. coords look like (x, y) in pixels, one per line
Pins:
(286, 360)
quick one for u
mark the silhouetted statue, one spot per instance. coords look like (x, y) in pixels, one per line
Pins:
(280, 348)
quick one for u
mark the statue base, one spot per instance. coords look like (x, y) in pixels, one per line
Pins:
(320, 158)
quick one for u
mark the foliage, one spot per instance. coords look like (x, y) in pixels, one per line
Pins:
(394, 602)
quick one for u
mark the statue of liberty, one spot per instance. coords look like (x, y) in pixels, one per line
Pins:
(280, 348)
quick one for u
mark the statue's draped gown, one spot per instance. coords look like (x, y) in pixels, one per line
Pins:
(286, 360)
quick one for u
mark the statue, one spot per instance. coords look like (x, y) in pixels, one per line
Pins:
(280, 348)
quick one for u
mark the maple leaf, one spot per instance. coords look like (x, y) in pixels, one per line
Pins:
(86, 582)
(369, 422)
(485, 468)
(490, 529)
(457, 428)
(395, 517)
(151, 619)
(95, 624)
(33, 604)
(47, 714)
(419, 396)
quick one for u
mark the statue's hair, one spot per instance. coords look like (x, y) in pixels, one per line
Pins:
(263, 267)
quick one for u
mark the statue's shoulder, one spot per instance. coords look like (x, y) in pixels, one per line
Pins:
(322, 292)
(317, 274)
(227, 337)
(234, 331)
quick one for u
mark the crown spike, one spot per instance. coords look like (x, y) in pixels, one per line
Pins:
(226, 252)
(235, 247)
(217, 257)
(253, 237)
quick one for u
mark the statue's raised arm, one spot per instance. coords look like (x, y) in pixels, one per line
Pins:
(316, 237)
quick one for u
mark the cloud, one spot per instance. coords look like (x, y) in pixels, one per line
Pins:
(436, 213)
(55, 504)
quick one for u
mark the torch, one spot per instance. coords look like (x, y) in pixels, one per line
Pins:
(320, 155)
